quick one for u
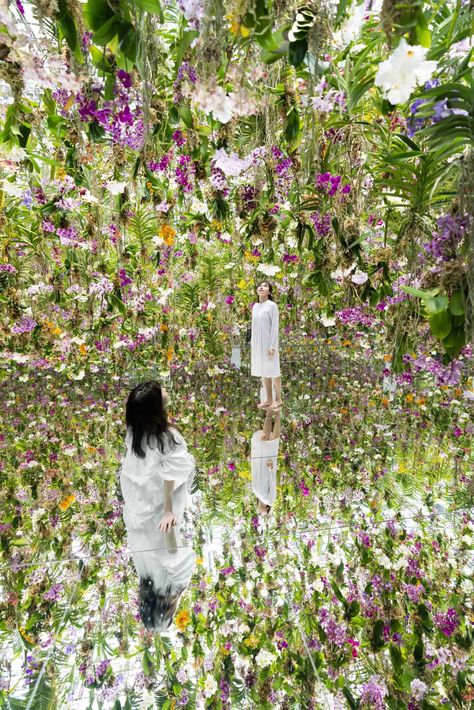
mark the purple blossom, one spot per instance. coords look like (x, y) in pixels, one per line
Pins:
(322, 223)
(229, 300)
(448, 622)
(178, 138)
(125, 280)
(24, 325)
(54, 593)
(7, 268)
(125, 78)
(414, 592)
(373, 693)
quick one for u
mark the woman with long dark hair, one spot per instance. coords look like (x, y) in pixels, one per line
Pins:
(265, 357)
(156, 474)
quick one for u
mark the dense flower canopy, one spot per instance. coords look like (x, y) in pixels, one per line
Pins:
(158, 159)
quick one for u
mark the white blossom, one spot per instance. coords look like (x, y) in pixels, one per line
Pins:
(406, 67)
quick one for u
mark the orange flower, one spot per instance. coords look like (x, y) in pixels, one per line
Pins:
(332, 382)
(182, 619)
(346, 343)
(83, 349)
(169, 354)
(387, 358)
(167, 233)
(385, 401)
(409, 398)
(163, 327)
(64, 504)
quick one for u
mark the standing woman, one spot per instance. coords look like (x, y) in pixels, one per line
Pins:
(265, 355)
(156, 474)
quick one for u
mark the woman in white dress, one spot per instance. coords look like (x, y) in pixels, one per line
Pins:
(264, 453)
(265, 356)
(156, 475)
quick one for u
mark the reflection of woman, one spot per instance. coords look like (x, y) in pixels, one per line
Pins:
(264, 345)
(264, 452)
(156, 474)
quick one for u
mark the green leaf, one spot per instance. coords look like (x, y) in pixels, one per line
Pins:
(108, 31)
(97, 12)
(436, 304)
(297, 51)
(184, 45)
(440, 324)
(68, 29)
(456, 303)
(129, 41)
(185, 115)
(349, 697)
(151, 6)
(396, 658)
(418, 292)
(99, 60)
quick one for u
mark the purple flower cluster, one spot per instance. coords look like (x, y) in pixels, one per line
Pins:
(282, 167)
(414, 592)
(445, 242)
(125, 280)
(331, 184)
(178, 138)
(321, 223)
(248, 196)
(447, 623)
(355, 316)
(185, 71)
(7, 269)
(336, 633)
(124, 124)
(24, 325)
(373, 693)
(185, 172)
(280, 641)
(53, 594)
(290, 258)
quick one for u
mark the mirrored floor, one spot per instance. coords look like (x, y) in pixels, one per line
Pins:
(326, 549)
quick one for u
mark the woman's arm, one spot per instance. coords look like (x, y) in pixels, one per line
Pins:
(168, 519)
(274, 328)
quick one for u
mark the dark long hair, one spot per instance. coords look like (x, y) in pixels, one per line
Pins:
(270, 288)
(157, 610)
(146, 416)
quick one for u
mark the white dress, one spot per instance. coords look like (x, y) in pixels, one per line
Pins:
(264, 467)
(141, 481)
(265, 335)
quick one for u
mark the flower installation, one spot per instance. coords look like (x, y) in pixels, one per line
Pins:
(158, 161)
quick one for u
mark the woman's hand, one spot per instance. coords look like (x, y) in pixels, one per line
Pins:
(271, 352)
(167, 522)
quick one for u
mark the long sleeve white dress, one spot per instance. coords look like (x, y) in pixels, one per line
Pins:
(141, 481)
(265, 323)
(264, 467)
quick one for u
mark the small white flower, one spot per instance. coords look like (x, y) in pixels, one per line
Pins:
(268, 269)
(264, 658)
(115, 187)
(406, 67)
(327, 321)
(359, 277)
(210, 686)
(351, 26)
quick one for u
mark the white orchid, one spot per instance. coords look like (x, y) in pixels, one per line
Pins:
(359, 277)
(406, 67)
(268, 269)
(351, 26)
(116, 187)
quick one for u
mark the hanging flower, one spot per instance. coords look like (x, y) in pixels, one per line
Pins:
(167, 233)
(398, 75)
(182, 619)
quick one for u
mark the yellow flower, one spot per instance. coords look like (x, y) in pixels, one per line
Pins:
(245, 474)
(409, 398)
(167, 233)
(163, 327)
(26, 636)
(200, 560)
(251, 641)
(216, 224)
(182, 619)
(60, 173)
(169, 354)
(242, 284)
(64, 504)
(83, 349)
